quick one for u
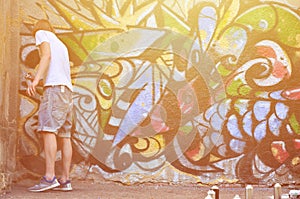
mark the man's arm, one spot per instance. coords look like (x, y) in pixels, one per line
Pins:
(45, 57)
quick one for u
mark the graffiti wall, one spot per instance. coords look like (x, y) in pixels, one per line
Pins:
(203, 91)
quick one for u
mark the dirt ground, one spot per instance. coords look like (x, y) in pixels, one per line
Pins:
(113, 190)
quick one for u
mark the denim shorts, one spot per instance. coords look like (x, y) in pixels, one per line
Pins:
(55, 111)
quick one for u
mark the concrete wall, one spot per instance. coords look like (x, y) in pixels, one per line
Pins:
(174, 91)
(9, 86)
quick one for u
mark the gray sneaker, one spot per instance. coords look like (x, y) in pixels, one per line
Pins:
(64, 186)
(44, 185)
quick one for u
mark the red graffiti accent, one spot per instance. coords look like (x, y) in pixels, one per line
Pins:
(266, 52)
(279, 151)
(193, 154)
(157, 121)
(279, 70)
(297, 143)
(293, 94)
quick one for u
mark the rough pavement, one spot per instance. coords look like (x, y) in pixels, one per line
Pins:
(114, 190)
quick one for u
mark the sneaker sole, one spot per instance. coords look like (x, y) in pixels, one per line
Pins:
(46, 188)
(62, 189)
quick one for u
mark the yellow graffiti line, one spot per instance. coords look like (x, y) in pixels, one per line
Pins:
(156, 144)
(227, 16)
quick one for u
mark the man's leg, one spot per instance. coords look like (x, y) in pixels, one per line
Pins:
(49, 181)
(66, 148)
(50, 148)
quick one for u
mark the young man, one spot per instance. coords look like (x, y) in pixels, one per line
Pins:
(55, 110)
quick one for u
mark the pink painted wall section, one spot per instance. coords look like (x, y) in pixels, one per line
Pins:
(174, 91)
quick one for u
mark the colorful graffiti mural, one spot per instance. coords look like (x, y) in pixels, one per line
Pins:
(174, 90)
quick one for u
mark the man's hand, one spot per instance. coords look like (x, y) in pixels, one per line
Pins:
(31, 90)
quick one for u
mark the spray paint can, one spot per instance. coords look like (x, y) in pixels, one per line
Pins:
(249, 192)
(212, 194)
(294, 194)
(216, 190)
(277, 191)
